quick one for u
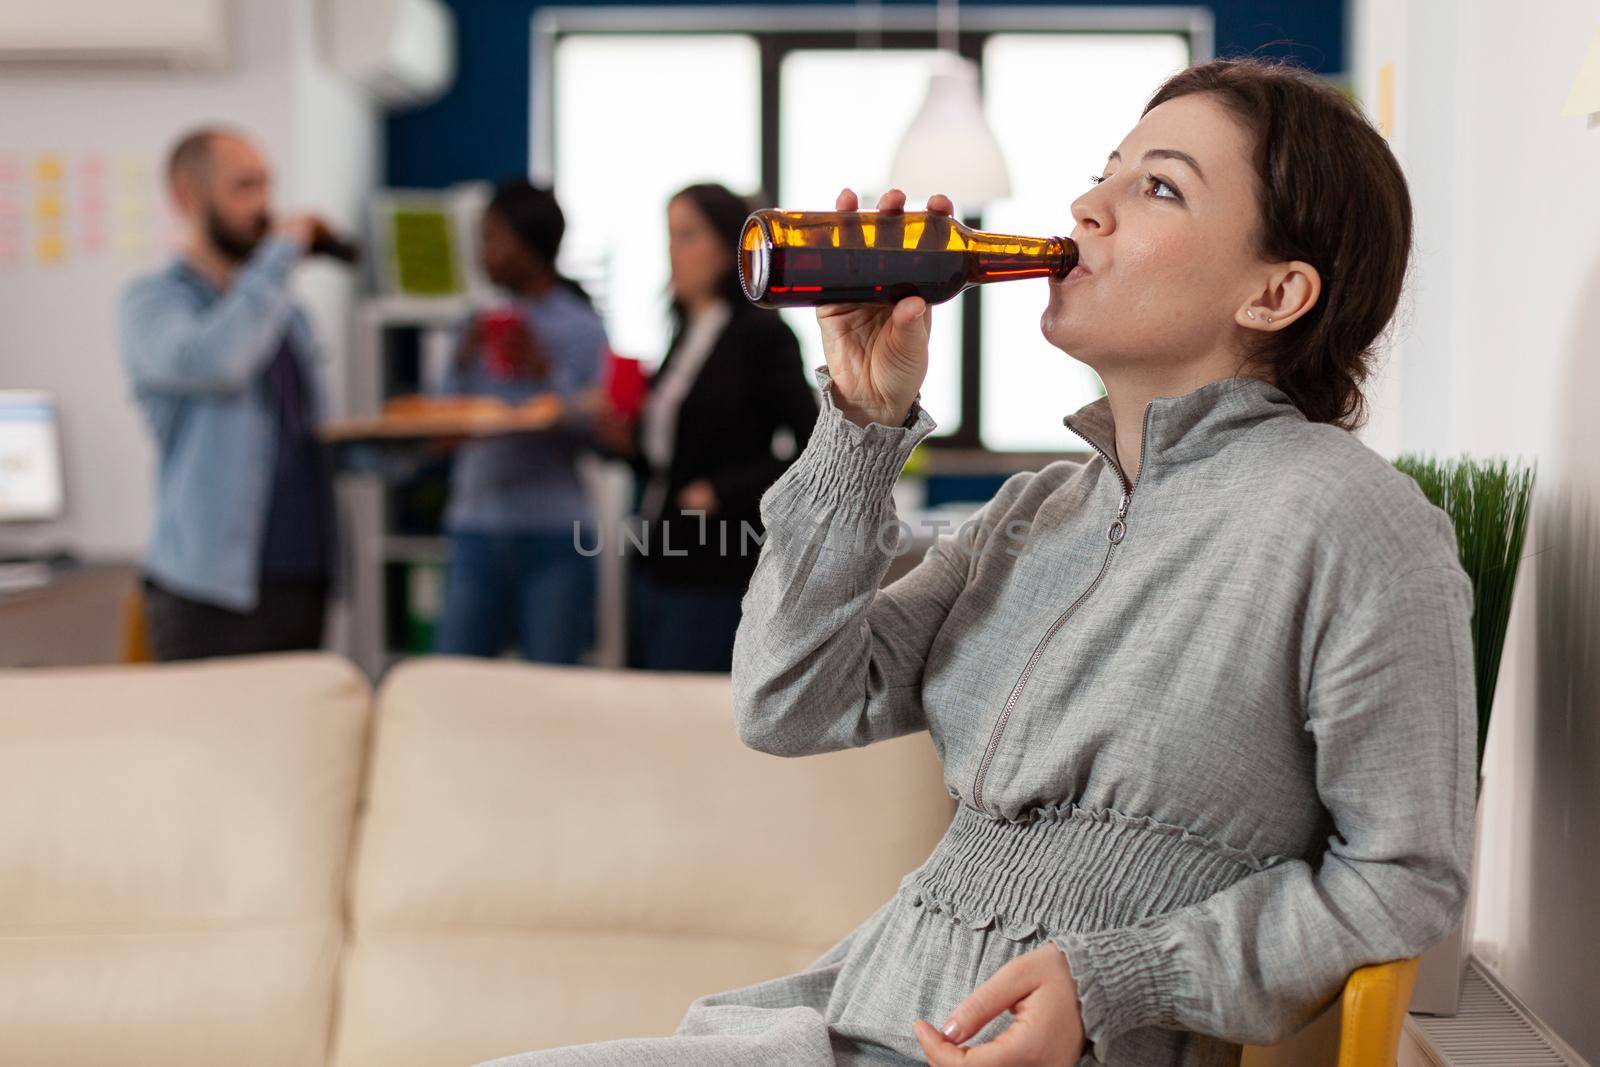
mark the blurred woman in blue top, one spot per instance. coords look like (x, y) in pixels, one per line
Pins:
(515, 572)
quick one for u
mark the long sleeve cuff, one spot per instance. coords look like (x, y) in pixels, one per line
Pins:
(1125, 981)
(850, 466)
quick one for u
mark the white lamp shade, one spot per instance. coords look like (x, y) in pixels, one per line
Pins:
(949, 147)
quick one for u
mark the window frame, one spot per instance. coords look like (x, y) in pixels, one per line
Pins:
(783, 29)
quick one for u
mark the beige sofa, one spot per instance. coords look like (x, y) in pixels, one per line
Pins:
(256, 862)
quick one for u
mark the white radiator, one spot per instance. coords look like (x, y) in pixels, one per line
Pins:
(1489, 1030)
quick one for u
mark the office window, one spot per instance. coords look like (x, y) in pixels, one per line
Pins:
(636, 119)
(827, 141)
(800, 110)
(1033, 86)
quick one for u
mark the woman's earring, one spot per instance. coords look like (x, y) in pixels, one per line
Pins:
(1269, 320)
(1252, 314)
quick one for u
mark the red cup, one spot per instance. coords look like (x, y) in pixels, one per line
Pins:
(495, 327)
(626, 385)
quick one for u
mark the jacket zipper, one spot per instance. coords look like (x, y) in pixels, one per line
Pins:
(1114, 535)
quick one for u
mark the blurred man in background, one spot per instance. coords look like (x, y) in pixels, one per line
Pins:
(224, 364)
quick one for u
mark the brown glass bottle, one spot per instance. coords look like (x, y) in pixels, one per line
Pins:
(803, 258)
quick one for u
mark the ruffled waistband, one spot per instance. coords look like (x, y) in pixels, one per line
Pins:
(1070, 869)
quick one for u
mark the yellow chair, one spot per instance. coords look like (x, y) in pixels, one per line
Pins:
(135, 639)
(1374, 1005)
(1371, 1013)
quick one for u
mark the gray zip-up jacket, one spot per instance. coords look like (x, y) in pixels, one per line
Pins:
(1212, 734)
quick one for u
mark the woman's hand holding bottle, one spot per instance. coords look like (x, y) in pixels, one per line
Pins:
(878, 354)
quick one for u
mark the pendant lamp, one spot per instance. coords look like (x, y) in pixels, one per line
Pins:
(949, 147)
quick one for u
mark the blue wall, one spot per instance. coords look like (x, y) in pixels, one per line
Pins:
(480, 128)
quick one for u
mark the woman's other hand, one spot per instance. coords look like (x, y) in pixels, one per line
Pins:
(1046, 1028)
(612, 432)
(878, 354)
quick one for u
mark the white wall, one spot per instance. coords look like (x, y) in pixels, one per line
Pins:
(337, 158)
(57, 324)
(1500, 355)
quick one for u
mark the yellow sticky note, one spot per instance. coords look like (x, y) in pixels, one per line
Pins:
(131, 244)
(51, 248)
(133, 207)
(48, 169)
(1585, 96)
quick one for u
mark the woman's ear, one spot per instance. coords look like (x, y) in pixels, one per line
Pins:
(1291, 290)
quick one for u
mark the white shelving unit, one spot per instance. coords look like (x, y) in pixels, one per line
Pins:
(382, 325)
(418, 332)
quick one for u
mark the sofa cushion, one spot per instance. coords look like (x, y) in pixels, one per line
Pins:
(173, 845)
(553, 855)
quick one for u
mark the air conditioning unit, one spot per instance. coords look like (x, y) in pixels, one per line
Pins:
(402, 52)
(114, 34)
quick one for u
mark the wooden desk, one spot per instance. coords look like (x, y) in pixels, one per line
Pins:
(74, 620)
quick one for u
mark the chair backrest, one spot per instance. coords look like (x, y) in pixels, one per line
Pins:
(1360, 1029)
(554, 855)
(1374, 1003)
(173, 849)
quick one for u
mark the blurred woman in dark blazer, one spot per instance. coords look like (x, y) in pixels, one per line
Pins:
(727, 411)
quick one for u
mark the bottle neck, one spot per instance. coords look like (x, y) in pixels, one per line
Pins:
(998, 258)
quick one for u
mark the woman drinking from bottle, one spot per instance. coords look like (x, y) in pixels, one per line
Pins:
(1204, 698)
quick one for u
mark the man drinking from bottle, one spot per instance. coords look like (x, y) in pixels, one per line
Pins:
(223, 362)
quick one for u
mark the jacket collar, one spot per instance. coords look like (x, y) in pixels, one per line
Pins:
(1192, 426)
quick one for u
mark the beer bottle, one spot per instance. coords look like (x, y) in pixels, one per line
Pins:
(324, 242)
(801, 258)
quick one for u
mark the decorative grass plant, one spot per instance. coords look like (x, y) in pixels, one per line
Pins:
(1488, 502)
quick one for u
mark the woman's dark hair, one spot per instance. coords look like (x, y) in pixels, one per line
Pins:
(725, 211)
(1332, 194)
(534, 216)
